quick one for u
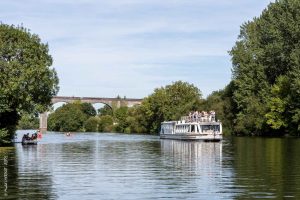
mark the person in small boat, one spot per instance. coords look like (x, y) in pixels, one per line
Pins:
(68, 134)
(34, 136)
(25, 137)
(39, 134)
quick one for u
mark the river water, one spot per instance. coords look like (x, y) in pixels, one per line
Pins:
(119, 166)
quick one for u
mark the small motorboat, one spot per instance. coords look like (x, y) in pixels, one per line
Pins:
(29, 140)
(68, 134)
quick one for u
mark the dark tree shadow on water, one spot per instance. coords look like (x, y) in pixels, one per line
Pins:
(20, 174)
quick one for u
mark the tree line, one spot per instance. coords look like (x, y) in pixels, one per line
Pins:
(263, 97)
(266, 72)
(166, 103)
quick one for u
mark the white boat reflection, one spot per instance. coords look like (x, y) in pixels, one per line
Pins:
(195, 157)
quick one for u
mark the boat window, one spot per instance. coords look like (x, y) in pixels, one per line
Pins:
(193, 128)
(167, 128)
(210, 127)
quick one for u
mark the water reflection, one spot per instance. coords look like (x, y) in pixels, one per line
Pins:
(194, 156)
(21, 178)
(116, 166)
(34, 177)
(267, 167)
(195, 167)
(7, 161)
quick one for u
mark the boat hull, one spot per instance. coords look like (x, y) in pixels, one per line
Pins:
(29, 142)
(203, 137)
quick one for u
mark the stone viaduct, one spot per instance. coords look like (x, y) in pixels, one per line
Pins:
(93, 100)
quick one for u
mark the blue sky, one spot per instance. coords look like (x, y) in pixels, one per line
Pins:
(105, 48)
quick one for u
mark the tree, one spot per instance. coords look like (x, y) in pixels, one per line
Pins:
(28, 121)
(105, 110)
(88, 109)
(74, 116)
(135, 120)
(120, 117)
(69, 117)
(266, 54)
(27, 81)
(168, 103)
(91, 124)
(4, 137)
(222, 103)
(105, 123)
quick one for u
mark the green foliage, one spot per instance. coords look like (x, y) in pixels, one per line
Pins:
(266, 65)
(4, 137)
(69, 117)
(168, 103)
(277, 104)
(222, 103)
(91, 125)
(28, 121)
(105, 110)
(293, 109)
(27, 82)
(120, 118)
(88, 109)
(105, 123)
(8, 122)
(135, 121)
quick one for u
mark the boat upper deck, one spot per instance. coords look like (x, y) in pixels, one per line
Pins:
(197, 117)
(200, 117)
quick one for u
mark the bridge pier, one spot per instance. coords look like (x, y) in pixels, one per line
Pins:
(43, 122)
(118, 104)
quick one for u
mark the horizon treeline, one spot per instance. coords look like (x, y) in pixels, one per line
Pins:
(166, 103)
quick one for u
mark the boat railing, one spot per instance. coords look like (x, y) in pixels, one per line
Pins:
(209, 118)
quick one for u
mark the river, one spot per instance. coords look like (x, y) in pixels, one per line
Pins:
(120, 166)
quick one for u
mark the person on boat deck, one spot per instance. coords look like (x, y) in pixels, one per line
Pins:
(196, 115)
(212, 115)
(190, 116)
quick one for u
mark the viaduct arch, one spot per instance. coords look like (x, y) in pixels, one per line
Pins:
(105, 100)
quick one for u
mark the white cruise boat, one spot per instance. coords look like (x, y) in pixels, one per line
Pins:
(196, 126)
